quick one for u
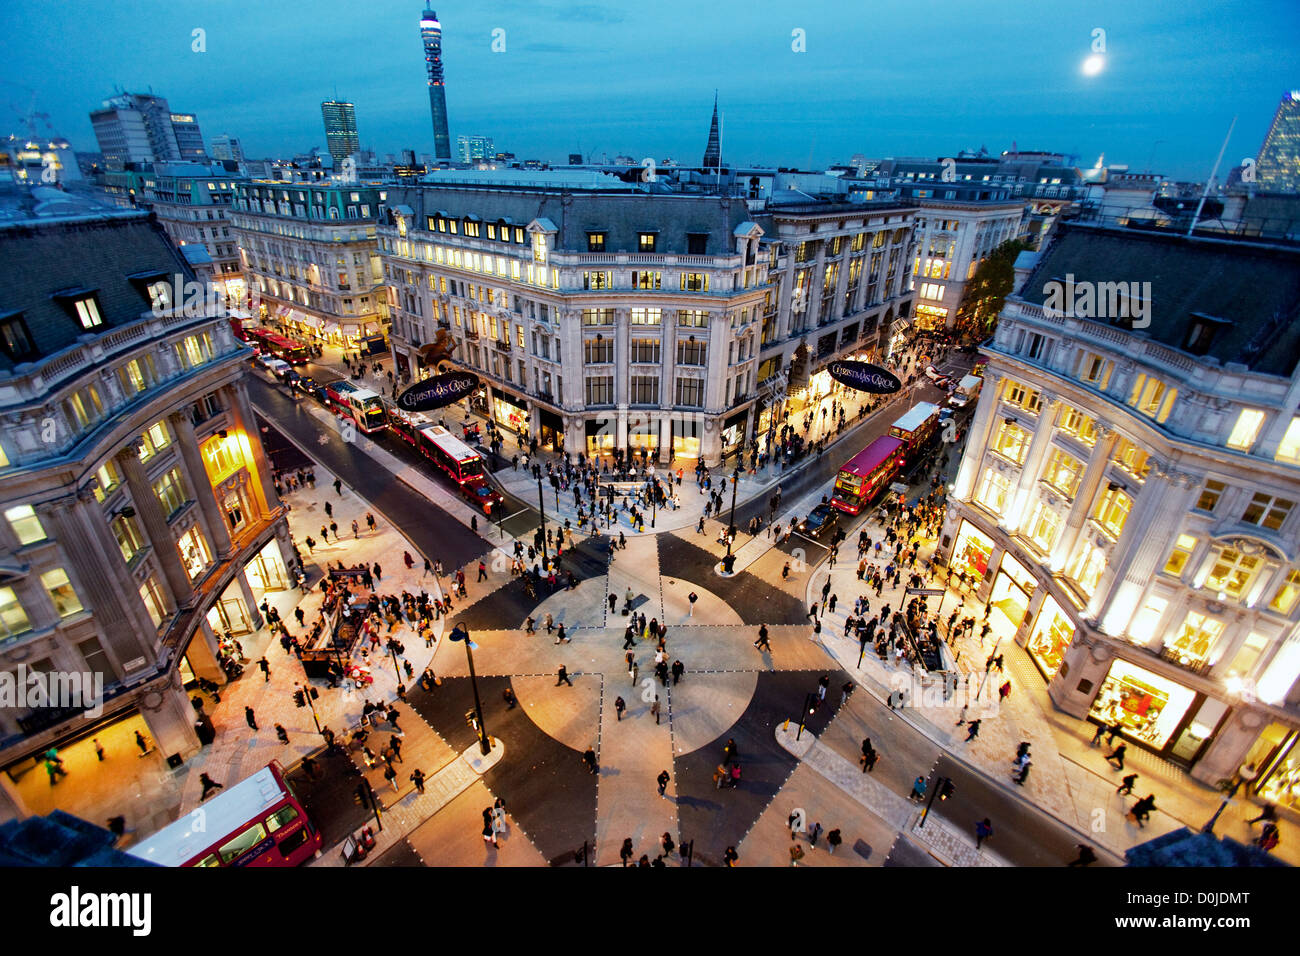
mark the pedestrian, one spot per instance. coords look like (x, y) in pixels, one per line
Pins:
(626, 852)
(560, 636)
(793, 822)
(417, 777)
(729, 751)
(972, 730)
(813, 834)
(408, 560)
(338, 488)
(762, 641)
(845, 691)
(983, 830)
(1126, 785)
(356, 529)
(729, 856)
(833, 839)
(265, 668)
(1101, 732)
(1004, 692)
(482, 571)
(918, 789)
(390, 774)
(662, 780)
(1116, 756)
(141, 743)
(654, 709)
(678, 670)
(489, 833)
(1268, 815)
(282, 733)
(99, 750)
(250, 717)
(393, 715)
(1142, 809)
(508, 696)
(208, 786)
(589, 758)
(329, 510)
(1086, 856)
(785, 571)
(1024, 773)
(379, 575)
(562, 676)
(796, 853)
(692, 597)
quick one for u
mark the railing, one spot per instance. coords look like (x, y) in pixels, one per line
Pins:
(1173, 656)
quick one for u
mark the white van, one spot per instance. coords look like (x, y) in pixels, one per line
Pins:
(275, 366)
(968, 389)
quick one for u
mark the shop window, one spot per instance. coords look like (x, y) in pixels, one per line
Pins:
(1232, 572)
(1064, 472)
(27, 528)
(1144, 624)
(1248, 655)
(1051, 637)
(62, 593)
(1246, 430)
(1085, 570)
(1210, 495)
(13, 618)
(1289, 448)
(1284, 598)
(1011, 441)
(1113, 510)
(1180, 555)
(1196, 639)
(1149, 707)
(1267, 511)
(994, 491)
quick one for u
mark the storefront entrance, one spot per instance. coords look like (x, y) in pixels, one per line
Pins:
(1152, 709)
(508, 412)
(686, 437)
(230, 615)
(733, 432)
(1012, 588)
(1051, 637)
(971, 553)
(266, 569)
(643, 436)
(552, 430)
(1276, 756)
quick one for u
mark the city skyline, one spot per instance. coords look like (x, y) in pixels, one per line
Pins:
(1163, 99)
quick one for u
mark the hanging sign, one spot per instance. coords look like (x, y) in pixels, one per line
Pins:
(865, 377)
(437, 391)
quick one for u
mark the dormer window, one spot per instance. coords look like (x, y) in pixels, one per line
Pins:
(155, 287)
(697, 242)
(82, 305)
(16, 338)
(1201, 333)
(595, 242)
(645, 241)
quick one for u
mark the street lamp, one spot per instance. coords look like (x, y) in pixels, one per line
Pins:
(541, 507)
(731, 521)
(459, 633)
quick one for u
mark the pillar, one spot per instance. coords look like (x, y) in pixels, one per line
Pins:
(259, 467)
(1079, 509)
(202, 653)
(214, 522)
(170, 717)
(1227, 751)
(1039, 445)
(149, 510)
(250, 602)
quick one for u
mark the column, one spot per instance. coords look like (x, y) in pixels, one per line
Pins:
(259, 468)
(202, 654)
(977, 438)
(1033, 464)
(813, 315)
(170, 717)
(156, 528)
(214, 523)
(1092, 475)
(250, 602)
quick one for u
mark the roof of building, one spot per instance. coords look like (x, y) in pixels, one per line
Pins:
(1253, 287)
(1183, 847)
(61, 840)
(39, 259)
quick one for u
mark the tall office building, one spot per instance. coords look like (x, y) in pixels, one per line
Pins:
(141, 128)
(1278, 166)
(340, 130)
(431, 34)
(227, 147)
(473, 149)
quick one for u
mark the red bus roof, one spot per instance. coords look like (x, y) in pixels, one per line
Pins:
(873, 456)
(272, 338)
(449, 443)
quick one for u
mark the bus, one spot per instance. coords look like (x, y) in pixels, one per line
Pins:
(284, 349)
(257, 822)
(406, 425)
(363, 406)
(868, 473)
(916, 427)
(461, 463)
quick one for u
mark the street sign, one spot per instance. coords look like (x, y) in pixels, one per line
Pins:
(928, 592)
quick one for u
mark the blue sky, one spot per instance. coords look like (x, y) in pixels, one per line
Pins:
(881, 79)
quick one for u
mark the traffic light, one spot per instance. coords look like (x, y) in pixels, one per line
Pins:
(946, 789)
(299, 700)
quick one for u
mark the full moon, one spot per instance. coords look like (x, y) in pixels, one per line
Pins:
(1093, 64)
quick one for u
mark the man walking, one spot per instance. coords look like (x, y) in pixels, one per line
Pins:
(692, 597)
(833, 839)
(1116, 756)
(620, 705)
(1126, 785)
(654, 709)
(417, 777)
(208, 786)
(250, 717)
(678, 670)
(983, 830)
(972, 730)
(265, 667)
(562, 676)
(762, 643)
(662, 780)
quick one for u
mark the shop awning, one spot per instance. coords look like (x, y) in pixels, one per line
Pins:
(309, 320)
(328, 326)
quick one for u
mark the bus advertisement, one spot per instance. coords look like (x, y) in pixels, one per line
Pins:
(257, 822)
(868, 473)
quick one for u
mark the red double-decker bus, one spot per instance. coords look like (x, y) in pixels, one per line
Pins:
(916, 427)
(257, 822)
(287, 350)
(868, 473)
(461, 463)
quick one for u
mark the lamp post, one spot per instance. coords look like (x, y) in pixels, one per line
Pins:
(541, 507)
(731, 521)
(809, 707)
(459, 633)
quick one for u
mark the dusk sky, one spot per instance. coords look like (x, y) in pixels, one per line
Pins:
(881, 79)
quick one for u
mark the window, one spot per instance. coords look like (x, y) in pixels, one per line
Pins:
(471, 229)
(87, 311)
(1180, 555)
(600, 389)
(597, 316)
(1044, 526)
(84, 407)
(194, 552)
(695, 282)
(152, 599)
(128, 536)
(1232, 572)
(597, 351)
(646, 280)
(135, 377)
(1197, 638)
(1023, 397)
(1075, 423)
(61, 592)
(1289, 448)
(647, 316)
(690, 392)
(1094, 370)
(1085, 570)
(96, 658)
(931, 290)
(692, 353)
(1011, 441)
(241, 844)
(26, 526)
(13, 619)
(170, 491)
(1210, 495)
(1144, 624)
(1064, 472)
(1267, 511)
(595, 280)
(693, 318)
(994, 491)
(1132, 459)
(644, 390)
(16, 338)
(1284, 599)
(1152, 397)
(1113, 510)
(645, 241)
(283, 816)
(644, 351)
(1248, 655)
(153, 440)
(1246, 430)
(696, 243)
(595, 242)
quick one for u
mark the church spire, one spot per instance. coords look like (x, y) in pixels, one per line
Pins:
(713, 152)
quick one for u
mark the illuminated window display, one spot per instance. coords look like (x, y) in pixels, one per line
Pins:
(1053, 632)
(1148, 706)
(972, 552)
(1281, 781)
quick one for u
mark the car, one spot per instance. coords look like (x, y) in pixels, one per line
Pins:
(309, 385)
(483, 497)
(276, 367)
(821, 520)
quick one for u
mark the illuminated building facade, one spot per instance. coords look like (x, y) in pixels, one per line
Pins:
(139, 517)
(1278, 167)
(431, 38)
(340, 130)
(1129, 497)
